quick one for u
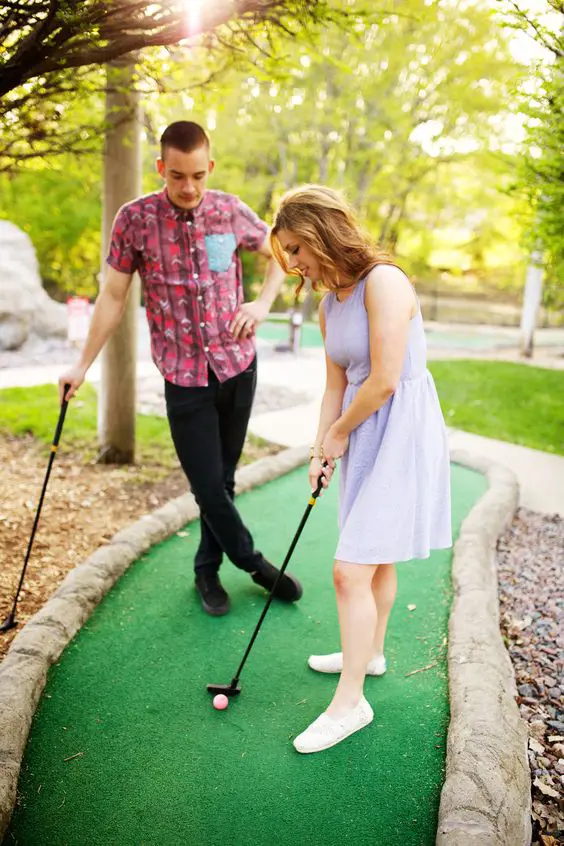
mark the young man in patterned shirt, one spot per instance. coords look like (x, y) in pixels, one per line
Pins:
(184, 241)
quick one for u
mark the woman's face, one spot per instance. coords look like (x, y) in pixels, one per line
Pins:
(299, 255)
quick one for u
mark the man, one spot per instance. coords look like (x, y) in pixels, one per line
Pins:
(184, 243)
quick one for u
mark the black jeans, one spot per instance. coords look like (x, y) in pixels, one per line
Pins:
(208, 427)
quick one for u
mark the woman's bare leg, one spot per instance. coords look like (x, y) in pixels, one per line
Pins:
(384, 589)
(358, 622)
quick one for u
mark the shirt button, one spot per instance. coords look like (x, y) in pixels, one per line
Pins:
(200, 297)
(206, 349)
(202, 324)
(195, 275)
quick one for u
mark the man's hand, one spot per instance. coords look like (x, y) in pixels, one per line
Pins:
(249, 316)
(73, 377)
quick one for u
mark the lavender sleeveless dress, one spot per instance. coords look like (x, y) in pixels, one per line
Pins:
(395, 475)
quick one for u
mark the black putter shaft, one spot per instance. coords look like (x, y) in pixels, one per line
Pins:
(10, 622)
(233, 689)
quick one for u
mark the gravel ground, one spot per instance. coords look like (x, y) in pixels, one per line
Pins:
(531, 588)
(39, 351)
(150, 397)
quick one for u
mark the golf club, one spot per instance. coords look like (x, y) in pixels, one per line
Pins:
(234, 689)
(10, 622)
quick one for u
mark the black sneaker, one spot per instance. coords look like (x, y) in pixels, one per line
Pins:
(288, 588)
(215, 600)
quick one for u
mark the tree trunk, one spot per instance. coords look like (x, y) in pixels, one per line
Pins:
(122, 183)
(392, 207)
(531, 303)
(394, 230)
(324, 160)
(284, 164)
(363, 185)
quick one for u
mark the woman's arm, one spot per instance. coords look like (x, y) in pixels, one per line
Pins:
(332, 402)
(331, 405)
(390, 305)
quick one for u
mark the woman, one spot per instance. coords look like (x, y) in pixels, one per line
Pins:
(380, 414)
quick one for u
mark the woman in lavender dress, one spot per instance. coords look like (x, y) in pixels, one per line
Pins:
(381, 416)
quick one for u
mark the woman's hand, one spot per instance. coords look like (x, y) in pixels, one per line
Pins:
(316, 470)
(335, 444)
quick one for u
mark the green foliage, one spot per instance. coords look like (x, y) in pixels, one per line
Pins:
(543, 173)
(59, 207)
(53, 53)
(51, 116)
(511, 402)
(403, 112)
(540, 175)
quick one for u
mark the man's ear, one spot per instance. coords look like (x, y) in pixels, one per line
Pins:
(160, 166)
(211, 166)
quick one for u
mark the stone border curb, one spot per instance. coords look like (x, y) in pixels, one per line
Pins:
(23, 673)
(486, 796)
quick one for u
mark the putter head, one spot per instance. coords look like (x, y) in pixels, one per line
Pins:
(228, 690)
(9, 623)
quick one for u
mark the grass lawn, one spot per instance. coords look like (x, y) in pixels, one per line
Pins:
(511, 402)
(35, 411)
(279, 331)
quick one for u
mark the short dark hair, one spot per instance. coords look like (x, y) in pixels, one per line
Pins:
(184, 135)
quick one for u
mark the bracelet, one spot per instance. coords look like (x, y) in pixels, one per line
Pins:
(313, 455)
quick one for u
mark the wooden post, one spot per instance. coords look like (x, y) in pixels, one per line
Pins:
(122, 183)
(531, 302)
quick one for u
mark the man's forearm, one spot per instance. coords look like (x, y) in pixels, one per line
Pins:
(105, 319)
(273, 279)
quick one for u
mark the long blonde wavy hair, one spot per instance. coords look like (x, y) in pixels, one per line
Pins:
(327, 224)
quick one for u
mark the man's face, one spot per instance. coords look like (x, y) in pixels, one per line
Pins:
(185, 175)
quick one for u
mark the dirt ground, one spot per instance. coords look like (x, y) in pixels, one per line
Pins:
(84, 506)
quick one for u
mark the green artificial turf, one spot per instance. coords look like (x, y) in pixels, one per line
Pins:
(310, 333)
(126, 749)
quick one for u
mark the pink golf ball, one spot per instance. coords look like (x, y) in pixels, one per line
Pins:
(220, 702)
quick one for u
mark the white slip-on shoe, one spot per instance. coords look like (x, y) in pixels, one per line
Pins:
(333, 663)
(325, 731)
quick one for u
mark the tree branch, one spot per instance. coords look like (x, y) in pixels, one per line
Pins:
(526, 21)
(102, 31)
(51, 51)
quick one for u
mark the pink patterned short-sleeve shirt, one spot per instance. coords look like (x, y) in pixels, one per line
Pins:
(191, 274)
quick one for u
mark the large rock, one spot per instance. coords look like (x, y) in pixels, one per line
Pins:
(25, 307)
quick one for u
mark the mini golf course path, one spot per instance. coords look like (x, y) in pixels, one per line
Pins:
(126, 748)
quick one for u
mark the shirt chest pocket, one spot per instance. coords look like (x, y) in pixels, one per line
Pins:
(220, 249)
